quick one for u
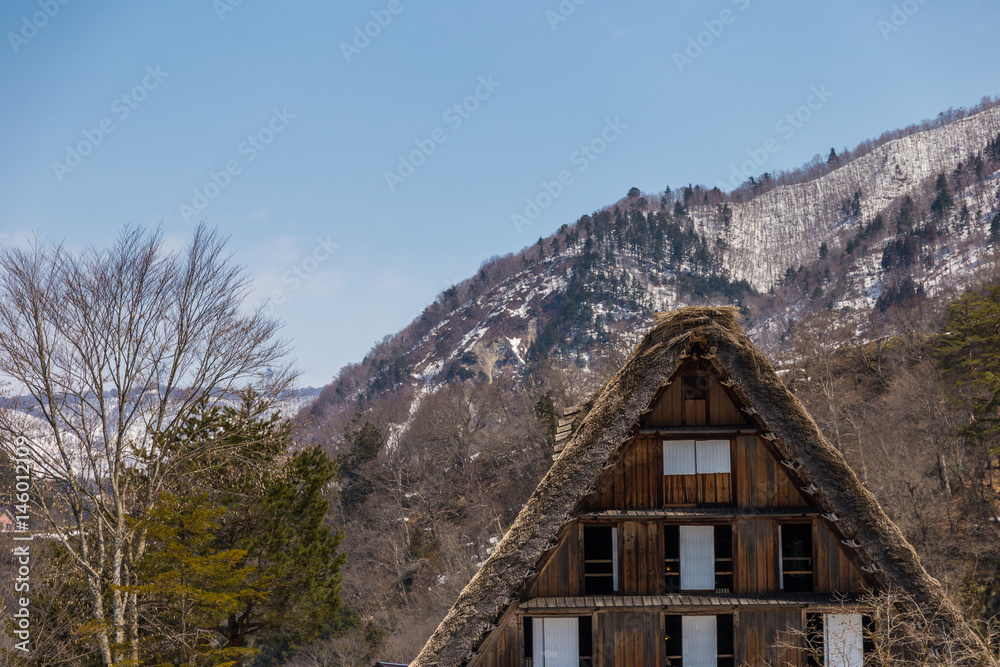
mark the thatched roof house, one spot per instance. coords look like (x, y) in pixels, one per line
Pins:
(710, 341)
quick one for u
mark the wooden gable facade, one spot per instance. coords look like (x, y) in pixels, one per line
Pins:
(765, 565)
(694, 516)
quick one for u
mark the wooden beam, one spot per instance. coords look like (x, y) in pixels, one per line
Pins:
(724, 430)
(704, 513)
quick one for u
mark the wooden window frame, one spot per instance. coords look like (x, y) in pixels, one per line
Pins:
(722, 659)
(812, 558)
(615, 559)
(672, 580)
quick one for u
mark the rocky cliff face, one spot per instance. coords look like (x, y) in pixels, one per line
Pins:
(785, 226)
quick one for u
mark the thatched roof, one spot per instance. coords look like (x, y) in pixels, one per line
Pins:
(606, 422)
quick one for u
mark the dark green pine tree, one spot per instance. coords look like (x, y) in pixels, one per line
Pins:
(276, 507)
(969, 352)
(943, 201)
(365, 441)
(832, 158)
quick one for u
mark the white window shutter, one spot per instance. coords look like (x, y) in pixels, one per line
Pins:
(699, 641)
(678, 457)
(843, 641)
(712, 456)
(697, 558)
(555, 642)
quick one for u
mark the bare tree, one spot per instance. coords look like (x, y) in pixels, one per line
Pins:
(106, 351)
(900, 632)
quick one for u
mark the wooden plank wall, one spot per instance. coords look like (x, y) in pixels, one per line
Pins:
(761, 479)
(755, 545)
(502, 648)
(760, 636)
(836, 571)
(636, 482)
(641, 546)
(561, 575)
(714, 489)
(628, 639)
(718, 408)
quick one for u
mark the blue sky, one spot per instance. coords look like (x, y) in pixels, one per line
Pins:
(278, 122)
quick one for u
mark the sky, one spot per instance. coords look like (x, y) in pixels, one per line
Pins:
(363, 156)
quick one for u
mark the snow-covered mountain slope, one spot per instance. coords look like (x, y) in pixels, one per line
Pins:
(890, 221)
(785, 226)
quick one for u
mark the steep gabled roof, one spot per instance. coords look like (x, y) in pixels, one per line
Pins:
(607, 421)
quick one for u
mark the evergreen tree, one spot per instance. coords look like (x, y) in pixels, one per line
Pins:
(688, 193)
(365, 441)
(667, 200)
(969, 350)
(906, 219)
(275, 508)
(832, 158)
(191, 584)
(943, 201)
(824, 251)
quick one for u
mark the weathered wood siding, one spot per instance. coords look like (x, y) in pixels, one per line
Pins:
(761, 480)
(635, 482)
(755, 543)
(502, 647)
(641, 548)
(714, 489)
(763, 637)
(628, 640)
(561, 572)
(836, 567)
(717, 408)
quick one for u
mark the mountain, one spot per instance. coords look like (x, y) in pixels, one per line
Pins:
(841, 270)
(854, 233)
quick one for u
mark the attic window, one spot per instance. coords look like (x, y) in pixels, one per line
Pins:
(600, 560)
(796, 564)
(695, 457)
